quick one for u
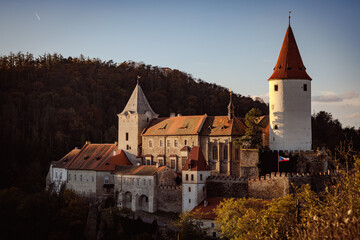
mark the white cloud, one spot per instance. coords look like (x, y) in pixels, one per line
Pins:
(37, 16)
(354, 115)
(333, 97)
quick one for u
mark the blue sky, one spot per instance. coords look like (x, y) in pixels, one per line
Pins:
(231, 43)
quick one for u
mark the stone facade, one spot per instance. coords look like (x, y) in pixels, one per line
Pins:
(169, 198)
(82, 181)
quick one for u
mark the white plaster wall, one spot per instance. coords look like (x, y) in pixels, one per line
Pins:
(129, 123)
(57, 180)
(290, 110)
(85, 186)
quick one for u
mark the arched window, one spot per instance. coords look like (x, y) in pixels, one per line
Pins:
(225, 152)
(215, 152)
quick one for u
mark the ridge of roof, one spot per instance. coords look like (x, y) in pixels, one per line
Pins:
(289, 64)
(138, 103)
(111, 162)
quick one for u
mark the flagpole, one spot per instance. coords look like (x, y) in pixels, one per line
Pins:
(278, 162)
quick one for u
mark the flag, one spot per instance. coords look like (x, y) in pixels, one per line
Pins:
(283, 159)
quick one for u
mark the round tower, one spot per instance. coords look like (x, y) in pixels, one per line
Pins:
(290, 100)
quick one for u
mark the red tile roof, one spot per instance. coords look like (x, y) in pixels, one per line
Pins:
(208, 211)
(112, 162)
(144, 170)
(222, 126)
(197, 160)
(180, 125)
(67, 159)
(289, 64)
(92, 156)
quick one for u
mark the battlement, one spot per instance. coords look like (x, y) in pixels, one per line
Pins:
(227, 179)
(296, 152)
(166, 187)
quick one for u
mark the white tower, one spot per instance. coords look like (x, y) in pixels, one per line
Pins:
(290, 100)
(194, 174)
(132, 120)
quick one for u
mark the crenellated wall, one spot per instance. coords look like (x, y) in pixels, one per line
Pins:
(271, 186)
(169, 198)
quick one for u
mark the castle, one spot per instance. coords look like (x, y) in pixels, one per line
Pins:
(175, 163)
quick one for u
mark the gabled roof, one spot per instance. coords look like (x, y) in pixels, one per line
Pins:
(197, 160)
(222, 126)
(66, 160)
(208, 211)
(138, 103)
(113, 161)
(92, 156)
(289, 64)
(143, 170)
(180, 125)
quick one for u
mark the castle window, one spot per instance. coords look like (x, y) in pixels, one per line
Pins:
(175, 143)
(183, 161)
(237, 154)
(200, 177)
(87, 178)
(137, 181)
(168, 143)
(276, 88)
(60, 175)
(127, 147)
(185, 142)
(127, 136)
(161, 161)
(276, 127)
(189, 189)
(92, 178)
(212, 226)
(187, 177)
(225, 153)
(106, 180)
(150, 143)
(150, 182)
(75, 177)
(161, 143)
(214, 152)
(56, 174)
(80, 178)
(148, 162)
(192, 177)
(189, 200)
(172, 165)
(305, 87)
(273, 138)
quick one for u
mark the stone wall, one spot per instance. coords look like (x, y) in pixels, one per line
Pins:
(226, 187)
(249, 159)
(271, 186)
(169, 198)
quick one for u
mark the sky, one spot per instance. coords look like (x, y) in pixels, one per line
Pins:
(234, 44)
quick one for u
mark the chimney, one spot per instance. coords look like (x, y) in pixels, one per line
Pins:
(138, 164)
(179, 115)
(206, 203)
(87, 142)
(114, 153)
(116, 143)
(76, 148)
(172, 114)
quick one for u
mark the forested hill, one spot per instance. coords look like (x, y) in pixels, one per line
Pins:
(50, 104)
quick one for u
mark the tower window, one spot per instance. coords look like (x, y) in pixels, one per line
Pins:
(276, 127)
(185, 142)
(150, 143)
(192, 177)
(187, 177)
(168, 143)
(175, 143)
(189, 189)
(214, 152)
(127, 136)
(200, 177)
(272, 107)
(305, 87)
(273, 138)
(161, 143)
(276, 87)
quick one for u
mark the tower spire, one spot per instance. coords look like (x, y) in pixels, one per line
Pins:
(230, 108)
(289, 17)
(138, 78)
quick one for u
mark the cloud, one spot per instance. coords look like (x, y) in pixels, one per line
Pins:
(354, 115)
(37, 16)
(333, 97)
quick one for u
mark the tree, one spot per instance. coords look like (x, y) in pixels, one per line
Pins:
(252, 137)
(188, 228)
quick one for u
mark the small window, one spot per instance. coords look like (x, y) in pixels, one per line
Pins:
(189, 189)
(92, 178)
(168, 143)
(172, 165)
(187, 177)
(272, 107)
(69, 177)
(200, 177)
(127, 136)
(214, 152)
(276, 88)
(60, 175)
(87, 178)
(148, 162)
(80, 178)
(237, 154)
(127, 147)
(185, 142)
(56, 174)
(225, 152)
(106, 180)
(75, 178)
(305, 87)
(192, 177)
(150, 143)
(149, 181)
(189, 200)
(212, 226)
(273, 138)
(276, 127)
(137, 181)
(175, 143)
(132, 181)
(161, 143)
(183, 161)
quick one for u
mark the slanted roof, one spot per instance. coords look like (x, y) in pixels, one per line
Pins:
(180, 125)
(289, 64)
(208, 211)
(263, 121)
(92, 156)
(113, 161)
(222, 126)
(197, 160)
(138, 103)
(143, 170)
(66, 160)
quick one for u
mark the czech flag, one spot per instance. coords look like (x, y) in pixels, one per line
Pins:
(283, 159)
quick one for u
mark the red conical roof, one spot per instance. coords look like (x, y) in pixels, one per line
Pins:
(289, 64)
